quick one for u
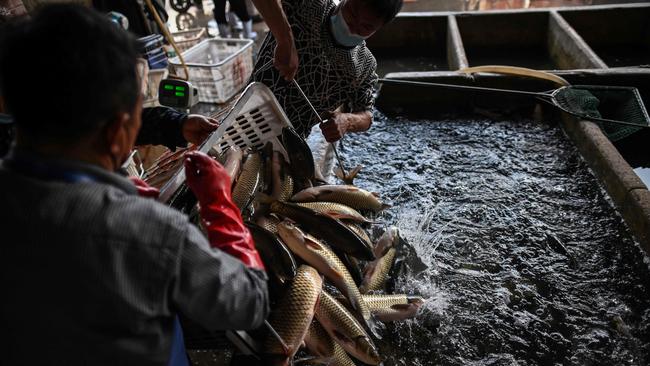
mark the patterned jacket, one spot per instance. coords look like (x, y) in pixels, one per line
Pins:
(331, 76)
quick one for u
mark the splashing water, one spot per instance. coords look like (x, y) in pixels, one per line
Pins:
(518, 251)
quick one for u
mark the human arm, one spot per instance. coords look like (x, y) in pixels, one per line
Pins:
(221, 218)
(217, 290)
(286, 55)
(168, 127)
(338, 124)
(359, 105)
(221, 282)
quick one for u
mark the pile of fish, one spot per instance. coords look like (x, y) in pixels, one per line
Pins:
(165, 166)
(327, 274)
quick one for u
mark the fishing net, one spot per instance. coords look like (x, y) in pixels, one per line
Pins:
(603, 103)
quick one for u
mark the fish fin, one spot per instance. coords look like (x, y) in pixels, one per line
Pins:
(353, 173)
(364, 287)
(353, 304)
(339, 173)
(415, 300)
(349, 178)
(338, 275)
(402, 312)
(310, 242)
(342, 338)
(336, 215)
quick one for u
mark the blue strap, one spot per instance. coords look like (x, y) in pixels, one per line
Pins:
(178, 355)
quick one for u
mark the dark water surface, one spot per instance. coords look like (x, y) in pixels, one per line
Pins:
(519, 252)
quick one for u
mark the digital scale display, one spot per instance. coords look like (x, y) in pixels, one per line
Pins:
(179, 91)
(175, 93)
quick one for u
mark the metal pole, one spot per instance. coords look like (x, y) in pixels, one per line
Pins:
(336, 153)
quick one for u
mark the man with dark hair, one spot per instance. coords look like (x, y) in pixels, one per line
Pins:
(337, 70)
(93, 274)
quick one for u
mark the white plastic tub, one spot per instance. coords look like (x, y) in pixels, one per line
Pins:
(219, 68)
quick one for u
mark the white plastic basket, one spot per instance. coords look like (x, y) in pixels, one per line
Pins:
(219, 68)
(189, 38)
(255, 119)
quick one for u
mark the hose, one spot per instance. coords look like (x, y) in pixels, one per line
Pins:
(169, 38)
(520, 71)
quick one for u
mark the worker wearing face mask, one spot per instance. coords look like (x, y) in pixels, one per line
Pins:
(337, 71)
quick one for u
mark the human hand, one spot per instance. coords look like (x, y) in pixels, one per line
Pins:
(221, 217)
(144, 190)
(285, 58)
(196, 128)
(207, 179)
(336, 126)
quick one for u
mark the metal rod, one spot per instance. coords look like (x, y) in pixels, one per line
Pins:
(307, 100)
(463, 87)
(243, 342)
(276, 335)
(542, 96)
(336, 153)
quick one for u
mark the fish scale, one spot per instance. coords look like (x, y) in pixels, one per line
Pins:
(318, 341)
(330, 230)
(231, 159)
(322, 345)
(287, 188)
(294, 312)
(378, 302)
(248, 181)
(321, 257)
(270, 223)
(338, 322)
(388, 308)
(341, 357)
(386, 241)
(352, 196)
(360, 232)
(336, 210)
(376, 272)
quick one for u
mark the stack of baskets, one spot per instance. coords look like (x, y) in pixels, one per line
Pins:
(152, 50)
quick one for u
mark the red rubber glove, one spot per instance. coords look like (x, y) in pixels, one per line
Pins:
(222, 219)
(144, 190)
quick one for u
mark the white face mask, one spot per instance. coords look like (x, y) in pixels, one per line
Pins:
(341, 31)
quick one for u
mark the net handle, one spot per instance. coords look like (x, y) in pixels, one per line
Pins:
(545, 95)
